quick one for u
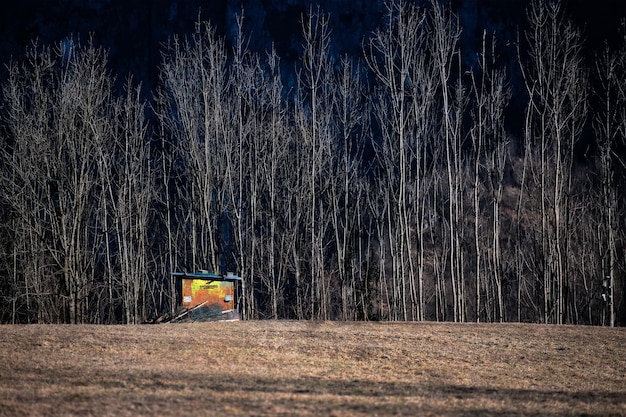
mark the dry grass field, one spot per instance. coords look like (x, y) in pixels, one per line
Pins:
(312, 369)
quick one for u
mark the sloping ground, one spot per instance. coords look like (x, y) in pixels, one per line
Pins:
(312, 368)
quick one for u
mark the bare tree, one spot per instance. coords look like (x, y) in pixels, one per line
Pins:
(241, 164)
(446, 33)
(490, 154)
(346, 152)
(58, 104)
(555, 79)
(276, 171)
(194, 77)
(609, 125)
(393, 55)
(127, 198)
(313, 118)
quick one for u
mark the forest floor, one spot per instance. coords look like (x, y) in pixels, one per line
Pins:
(312, 369)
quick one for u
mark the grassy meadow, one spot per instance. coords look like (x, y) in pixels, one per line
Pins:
(274, 368)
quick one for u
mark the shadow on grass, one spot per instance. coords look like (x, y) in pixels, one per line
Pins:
(393, 398)
(189, 392)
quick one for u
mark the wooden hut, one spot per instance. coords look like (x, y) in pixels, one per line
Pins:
(207, 296)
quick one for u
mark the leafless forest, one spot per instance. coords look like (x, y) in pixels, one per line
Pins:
(382, 187)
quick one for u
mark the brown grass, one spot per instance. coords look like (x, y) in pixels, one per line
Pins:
(312, 368)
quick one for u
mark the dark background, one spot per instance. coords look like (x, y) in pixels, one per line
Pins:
(133, 31)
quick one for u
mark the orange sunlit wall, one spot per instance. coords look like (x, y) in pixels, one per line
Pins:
(197, 291)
